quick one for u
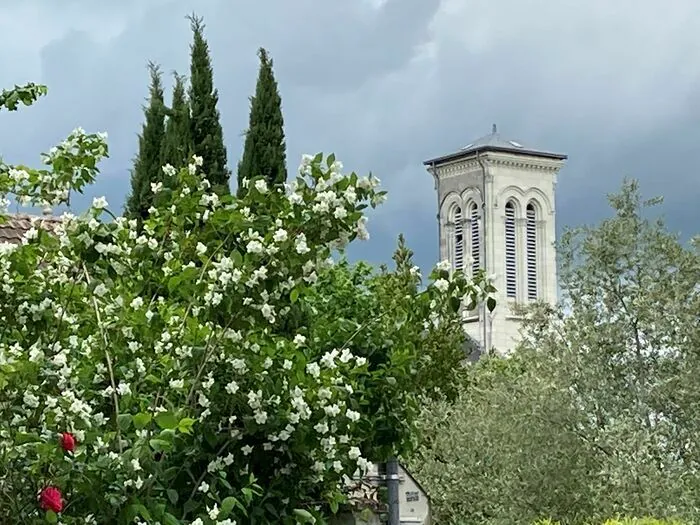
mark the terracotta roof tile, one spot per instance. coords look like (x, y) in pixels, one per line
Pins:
(18, 224)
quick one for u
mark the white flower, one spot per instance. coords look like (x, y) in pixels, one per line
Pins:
(280, 235)
(340, 212)
(201, 249)
(352, 415)
(246, 449)
(442, 285)
(169, 170)
(99, 203)
(321, 427)
(214, 512)
(443, 266)
(261, 185)
(361, 229)
(313, 369)
(254, 247)
(156, 187)
(135, 465)
(198, 161)
(123, 389)
(203, 487)
(300, 244)
(232, 387)
(137, 303)
(177, 383)
(354, 453)
(299, 339)
(100, 290)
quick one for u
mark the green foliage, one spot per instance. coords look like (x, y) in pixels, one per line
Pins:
(172, 360)
(175, 149)
(26, 94)
(595, 415)
(206, 133)
(147, 165)
(264, 150)
(623, 521)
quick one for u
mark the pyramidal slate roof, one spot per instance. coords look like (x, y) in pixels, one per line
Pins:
(496, 143)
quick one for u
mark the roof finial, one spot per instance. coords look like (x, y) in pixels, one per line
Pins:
(494, 129)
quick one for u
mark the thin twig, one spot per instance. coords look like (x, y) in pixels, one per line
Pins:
(115, 397)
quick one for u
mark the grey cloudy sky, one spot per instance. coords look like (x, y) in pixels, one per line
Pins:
(386, 84)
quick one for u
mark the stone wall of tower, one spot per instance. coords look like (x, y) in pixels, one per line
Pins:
(493, 179)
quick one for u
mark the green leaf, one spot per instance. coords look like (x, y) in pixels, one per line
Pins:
(490, 304)
(142, 419)
(22, 438)
(228, 504)
(124, 421)
(172, 496)
(137, 509)
(185, 425)
(160, 445)
(455, 304)
(169, 519)
(51, 517)
(294, 295)
(167, 420)
(153, 379)
(304, 516)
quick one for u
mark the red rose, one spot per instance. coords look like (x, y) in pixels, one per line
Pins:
(51, 499)
(67, 441)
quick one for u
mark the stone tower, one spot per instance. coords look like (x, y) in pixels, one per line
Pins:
(496, 211)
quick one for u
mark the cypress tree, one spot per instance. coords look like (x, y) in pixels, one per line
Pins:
(147, 166)
(264, 150)
(176, 143)
(205, 129)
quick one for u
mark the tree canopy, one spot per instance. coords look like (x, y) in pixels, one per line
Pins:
(264, 151)
(595, 415)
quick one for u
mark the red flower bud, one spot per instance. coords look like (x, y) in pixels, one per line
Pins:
(51, 499)
(67, 441)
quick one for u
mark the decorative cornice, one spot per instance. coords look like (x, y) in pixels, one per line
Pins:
(521, 162)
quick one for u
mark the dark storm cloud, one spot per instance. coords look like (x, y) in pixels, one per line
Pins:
(387, 84)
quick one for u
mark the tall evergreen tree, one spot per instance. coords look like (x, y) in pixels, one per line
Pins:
(176, 143)
(205, 128)
(147, 165)
(264, 151)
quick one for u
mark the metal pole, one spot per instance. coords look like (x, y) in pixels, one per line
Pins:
(392, 486)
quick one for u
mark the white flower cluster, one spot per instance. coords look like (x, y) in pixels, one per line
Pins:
(121, 322)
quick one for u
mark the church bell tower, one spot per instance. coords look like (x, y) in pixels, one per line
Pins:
(496, 211)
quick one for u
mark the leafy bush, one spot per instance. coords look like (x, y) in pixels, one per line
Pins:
(624, 521)
(209, 365)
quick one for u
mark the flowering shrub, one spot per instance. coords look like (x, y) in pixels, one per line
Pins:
(206, 366)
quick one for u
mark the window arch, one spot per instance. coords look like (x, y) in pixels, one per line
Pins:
(511, 260)
(531, 249)
(458, 256)
(475, 237)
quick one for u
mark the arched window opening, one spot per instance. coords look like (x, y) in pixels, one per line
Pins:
(475, 237)
(511, 262)
(531, 247)
(458, 262)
